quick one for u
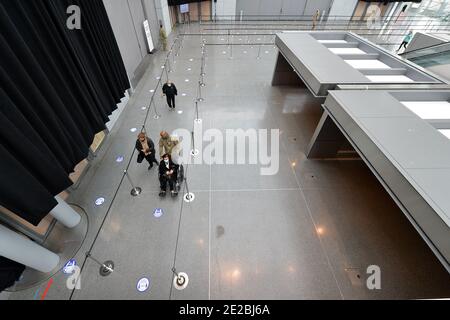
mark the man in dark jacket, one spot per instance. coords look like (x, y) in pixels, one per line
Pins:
(146, 149)
(170, 91)
(168, 172)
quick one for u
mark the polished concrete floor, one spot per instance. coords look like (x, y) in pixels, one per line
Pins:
(308, 232)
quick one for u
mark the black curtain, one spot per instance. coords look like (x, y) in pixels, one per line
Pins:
(10, 272)
(57, 89)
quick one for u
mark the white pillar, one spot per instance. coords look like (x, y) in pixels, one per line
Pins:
(65, 214)
(162, 11)
(22, 250)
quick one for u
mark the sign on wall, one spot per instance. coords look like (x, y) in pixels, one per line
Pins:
(148, 34)
(184, 8)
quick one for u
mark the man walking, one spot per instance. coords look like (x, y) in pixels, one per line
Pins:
(170, 91)
(163, 37)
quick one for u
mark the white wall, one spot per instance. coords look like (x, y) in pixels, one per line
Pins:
(149, 8)
(343, 8)
(313, 5)
(224, 8)
(288, 7)
(137, 14)
(123, 27)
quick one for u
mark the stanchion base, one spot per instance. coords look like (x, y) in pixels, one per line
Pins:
(200, 100)
(258, 58)
(194, 152)
(181, 281)
(198, 120)
(202, 84)
(107, 268)
(189, 197)
(136, 191)
(203, 74)
(156, 116)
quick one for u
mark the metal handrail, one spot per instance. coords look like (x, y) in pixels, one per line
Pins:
(445, 44)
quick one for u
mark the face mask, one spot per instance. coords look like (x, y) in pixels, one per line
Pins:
(169, 84)
(166, 161)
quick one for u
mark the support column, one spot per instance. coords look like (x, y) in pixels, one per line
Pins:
(162, 11)
(65, 214)
(327, 139)
(284, 75)
(22, 250)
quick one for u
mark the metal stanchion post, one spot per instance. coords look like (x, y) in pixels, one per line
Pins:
(259, 52)
(135, 191)
(202, 72)
(189, 196)
(194, 151)
(231, 50)
(180, 280)
(106, 268)
(203, 64)
(168, 61)
(199, 91)
(156, 116)
(167, 73)
(197, 119)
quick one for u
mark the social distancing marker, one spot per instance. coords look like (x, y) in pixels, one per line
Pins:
(180, 111)
(69, 267)
(119, 159)
(133, 129)
(158, 212)
(99, 201)
(143, 284)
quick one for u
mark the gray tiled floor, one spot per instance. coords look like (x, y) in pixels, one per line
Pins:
(304, 233)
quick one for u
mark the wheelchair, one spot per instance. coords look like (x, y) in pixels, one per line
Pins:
(180, 177)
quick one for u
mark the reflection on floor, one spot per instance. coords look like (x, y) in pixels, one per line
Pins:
(308, 232)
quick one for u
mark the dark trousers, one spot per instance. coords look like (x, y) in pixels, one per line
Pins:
(164, 181)
(404, 43)
(151, 158)
(171, 100)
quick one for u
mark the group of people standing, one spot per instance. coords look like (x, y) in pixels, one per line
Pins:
(168, 170)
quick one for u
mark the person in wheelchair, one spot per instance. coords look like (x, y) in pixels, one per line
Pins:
(168, 174)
